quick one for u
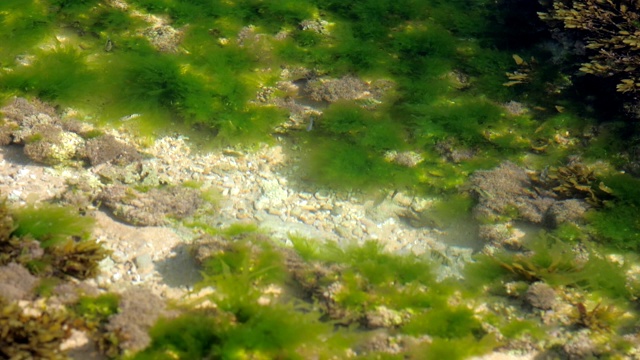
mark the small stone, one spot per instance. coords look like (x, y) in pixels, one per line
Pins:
(305, 218)
(541, 296)
(118, 256)
(402, 199)
(337, 210)
(296, 212)
(144, 263)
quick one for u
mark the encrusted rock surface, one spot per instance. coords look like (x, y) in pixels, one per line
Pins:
(154, 207)
(507, 189)
(106, 148)
(541, 296)
(16, 282)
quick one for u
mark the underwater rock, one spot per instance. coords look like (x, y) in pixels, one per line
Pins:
(69, 293)
(383, 317)
(453, 153)
(144, 173)
(22, 116)
(332, 90)
(316, 25)
(505, 193)
(23, 111)
(138, 311)
(153, 207)
(49, 144)
(580, 347)
(566, 211)
(76, 126)
(164, 38)
(16, 282)
(458, 79)
(541, 296)
(406, 158)
(107, 148)
(82, 192)
(501, 234)
(6, 137)
(515, 108)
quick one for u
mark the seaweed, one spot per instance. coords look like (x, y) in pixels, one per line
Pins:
(599, 318)
(95, 311)
(160, 82)
(455, 348)
(617, 226)
(79, 259)
(27, 335)
(448, 323)
(278, 331)
(60, 74)
(51, 225)
(23, 24)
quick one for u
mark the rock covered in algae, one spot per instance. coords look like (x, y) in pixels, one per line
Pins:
(51, 145)
(507, 191)
(16, 282)
(138, 311)
(541, 296)
(106, 148)
(153, 207)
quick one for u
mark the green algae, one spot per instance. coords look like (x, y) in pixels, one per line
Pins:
(51, 225)
(209, 82)
(60, 74)
(95, 311)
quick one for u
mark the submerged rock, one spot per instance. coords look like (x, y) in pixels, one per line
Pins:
(107, 148)
(506, 193)
(137, 312)
(164, 38)
(49, 144)
(16, 282)
(153, 207)
(541, 296)
(567, 211)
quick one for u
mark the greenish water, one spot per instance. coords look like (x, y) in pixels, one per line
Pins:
(447, 63)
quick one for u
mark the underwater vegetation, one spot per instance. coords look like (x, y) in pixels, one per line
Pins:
(555, 262)
(608, 30)
(295, 303)
(448, 79)
(38, 334)
(50, 240)
(212, 76)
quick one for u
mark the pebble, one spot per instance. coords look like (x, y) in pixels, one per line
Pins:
(295, 212)
(144, 263)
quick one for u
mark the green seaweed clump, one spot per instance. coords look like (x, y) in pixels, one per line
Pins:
(556, 263)
(32, 333)
(95, 311)
(312, 301)
(273, 332)
(51, 240)
(253, 317)
(60, 74)
(617, 224)
(51, 224)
